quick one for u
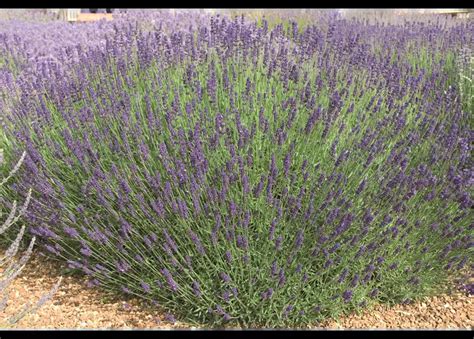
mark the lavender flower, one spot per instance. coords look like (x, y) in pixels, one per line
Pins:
(242, 242)
(347, 296)
(197, 242)
(354, 280)
(278, 242)
(225, 277)
(169, 279)
(170, 318)
(228, 257)
(288, 309)
(146, 287)
(86, 251)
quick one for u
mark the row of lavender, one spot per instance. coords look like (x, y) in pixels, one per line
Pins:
(234, 173)
(34, 44)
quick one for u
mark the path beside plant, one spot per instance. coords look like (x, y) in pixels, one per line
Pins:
(75, 306)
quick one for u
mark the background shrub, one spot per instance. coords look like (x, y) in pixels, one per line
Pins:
(11, 267)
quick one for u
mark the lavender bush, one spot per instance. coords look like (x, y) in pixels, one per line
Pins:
(237, 174)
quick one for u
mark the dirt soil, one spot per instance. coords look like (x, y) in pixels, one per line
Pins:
(77, 306)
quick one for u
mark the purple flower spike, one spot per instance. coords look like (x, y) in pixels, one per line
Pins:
(170, 318)
(225, 277)
(228, 257)
(197, 242)
(242, 242)
(86, 251)
(196, 289)
(374, 293)
(169, 279)
(146, 287)
(347, 296)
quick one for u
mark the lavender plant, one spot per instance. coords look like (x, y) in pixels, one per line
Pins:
(237, 174)
(11, 267)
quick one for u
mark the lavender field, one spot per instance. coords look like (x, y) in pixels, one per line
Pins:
(244, 170)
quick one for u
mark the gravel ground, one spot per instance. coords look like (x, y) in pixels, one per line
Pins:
(76, 306)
